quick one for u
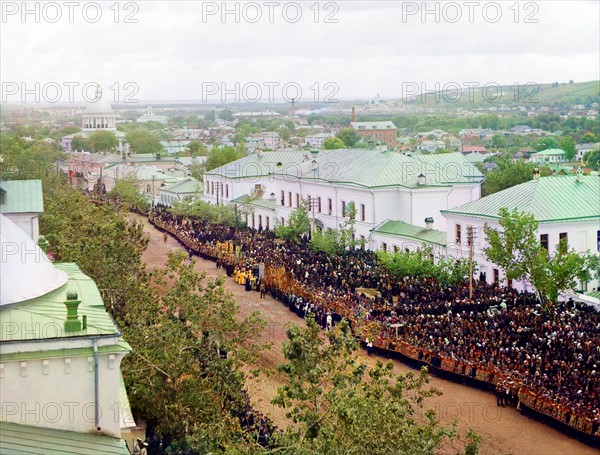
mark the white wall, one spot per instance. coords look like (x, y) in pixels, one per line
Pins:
(28, 221)
(58, 392)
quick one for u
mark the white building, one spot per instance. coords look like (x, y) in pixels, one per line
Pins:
(60, 356)
(98, 116)
(150, 116)
(381, 185)
(168, 195)
(22, 202)
(317, 140)
(565, 206)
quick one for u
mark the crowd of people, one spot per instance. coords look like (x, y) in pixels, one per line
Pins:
(543, 357)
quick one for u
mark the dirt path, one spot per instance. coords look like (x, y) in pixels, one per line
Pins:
(504, 430)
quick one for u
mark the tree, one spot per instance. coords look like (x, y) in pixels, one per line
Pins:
(507, 174)
(79, 143)
(220, 156)
(127, 190)
(588, 138)
(102, 141)
(297, 224)
(545, 143)
(592, 159)
(516, 248)
(568, 145)
(341, 406)
(142, 141)
(332, 143)
(226, 114)
(197, 148)
(499, 141)
(348, 136)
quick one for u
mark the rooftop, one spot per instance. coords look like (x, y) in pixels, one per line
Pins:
(410, 231)
(188, 185)
(24, 440)
(268, 204)
(549, 152)
(373, 126)
(548, 199)
(21, 196)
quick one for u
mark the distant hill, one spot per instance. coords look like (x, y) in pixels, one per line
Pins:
(556, 94)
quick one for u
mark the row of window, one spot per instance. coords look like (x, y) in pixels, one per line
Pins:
(315, 204)
(260, 225)
(221, 189)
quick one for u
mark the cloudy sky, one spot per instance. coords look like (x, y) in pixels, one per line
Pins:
(347, 49)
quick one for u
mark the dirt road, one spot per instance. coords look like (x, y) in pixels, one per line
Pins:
(504, 430)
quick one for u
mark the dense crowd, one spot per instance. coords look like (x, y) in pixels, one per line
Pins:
(547, 357)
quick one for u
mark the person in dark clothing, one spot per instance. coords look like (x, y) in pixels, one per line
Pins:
(248, 285)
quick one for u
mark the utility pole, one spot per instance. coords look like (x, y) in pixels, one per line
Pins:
(471, 237)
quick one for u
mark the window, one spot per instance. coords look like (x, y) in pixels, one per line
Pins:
(290, 198)
(343, 208)
(227, 190)
(260, 221)
(362, 242)
(395, 248)
(212, 187)
(267, 223)
(544, 241)
(147, 188)
(282, 221)
(246, 217)
(319, 203)
(363, 212)
(510, 283)
(253, 220)
(297, 200)
(330, 211)
(598, 240)
(563, 240)
(496, 275)
(283, 198)
(384, 247)
(458, 234)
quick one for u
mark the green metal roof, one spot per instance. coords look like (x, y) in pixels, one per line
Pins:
(44, 317)
(548, 199)
(18, 439)
(595, 294)
(268, 204)
(187, 186)
(22, 196)
(265, 163)
(549, 152)
(373, 169)
(410, 231)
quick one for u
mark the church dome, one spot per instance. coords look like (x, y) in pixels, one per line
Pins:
(99, 107)
(25, 272)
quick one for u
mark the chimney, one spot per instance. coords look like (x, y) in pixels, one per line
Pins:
(353, 114)
(72, 324)
(429, 223)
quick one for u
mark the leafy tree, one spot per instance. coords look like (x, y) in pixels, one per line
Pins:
(545, 143)
(216, 214)
(332, 143)
(197, 148)
(142, 141)
(102, 141)
(570, 148)
(127, 190)
(226, 114)
(499, 141)
(349, 137)
(220, 156)
(507, 174)
(79, 143)
(297, 225)
(515, 247)
(592, 159)
(22, 159)
(588, 138)
(341, 406)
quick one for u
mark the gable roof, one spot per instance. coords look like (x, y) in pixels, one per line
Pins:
(25, 439)
(372, 126)
(548, 199)
(410, 231)
(22, 196)
(186, 186)
(374, 169)
(549, 152)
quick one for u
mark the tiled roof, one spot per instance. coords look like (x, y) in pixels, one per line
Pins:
(548, 199)
(373, 169)
(43, 317)
(29, 440)
(410, 231)
(22, 196)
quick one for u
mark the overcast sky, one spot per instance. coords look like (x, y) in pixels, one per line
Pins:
(184, 50)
